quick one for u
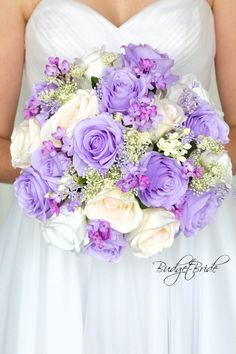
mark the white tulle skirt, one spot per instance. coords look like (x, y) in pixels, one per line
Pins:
(54, 302)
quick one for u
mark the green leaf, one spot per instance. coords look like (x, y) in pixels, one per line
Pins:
(81, 181)
(194, 147)
(94, 81)
(142, 206)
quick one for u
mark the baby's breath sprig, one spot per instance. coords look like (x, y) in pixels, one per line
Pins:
(61, 95)
(108, 58)
(207, 143)
(212, 175)
(113, 175)
(118, 117)
(76, 71)
(136, 144)
(94, 184)
(47, 95)
(96, 181)
(64, 93)
(54, 80)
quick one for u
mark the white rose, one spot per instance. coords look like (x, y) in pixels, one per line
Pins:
(173, 116)
(94, 63)
(224, 160)
(155, 232)
(82, 105)
(188, 81)
(67, 231)
(24, 140)
(111, 205)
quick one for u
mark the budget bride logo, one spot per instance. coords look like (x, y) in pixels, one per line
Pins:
(188, 267)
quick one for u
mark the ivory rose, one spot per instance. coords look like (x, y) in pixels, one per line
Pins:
(24, 140)
(123, 213)
(155, 232)
(173, 115)
(82, 105)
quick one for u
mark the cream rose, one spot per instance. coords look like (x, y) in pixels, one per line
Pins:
(173, 116)
(82, 105)
(124, 214)
(66, 231)
(155, 232)
(24, 140)
(223, 159)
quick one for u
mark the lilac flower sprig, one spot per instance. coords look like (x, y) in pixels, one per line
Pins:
(135, 181)
(143, 114)
(39, 107)
(57, 69)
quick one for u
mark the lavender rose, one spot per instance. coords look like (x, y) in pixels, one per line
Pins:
(105, 243)
(198, 211)
(96, 143)
(166, 182)
(30, 190)
(118, 87)
(205, 121)
(150, 63)
(51, 166)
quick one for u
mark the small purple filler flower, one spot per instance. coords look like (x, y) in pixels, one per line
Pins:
(105, 243)
(143, 114)
(96, 143)
(166, 182)
(30, 190)
(40, 109)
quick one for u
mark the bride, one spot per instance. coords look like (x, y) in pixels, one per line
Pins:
(54, 302)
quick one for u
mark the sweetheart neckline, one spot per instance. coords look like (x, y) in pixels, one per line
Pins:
(130, 19)
(103, 18)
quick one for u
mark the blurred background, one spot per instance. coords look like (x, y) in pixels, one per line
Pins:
(7, 192)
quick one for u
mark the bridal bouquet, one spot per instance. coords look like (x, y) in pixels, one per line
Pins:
(116, 150)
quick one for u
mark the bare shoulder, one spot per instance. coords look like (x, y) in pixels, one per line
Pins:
(22, 7)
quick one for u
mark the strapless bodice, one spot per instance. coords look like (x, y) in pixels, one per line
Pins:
(68, 28)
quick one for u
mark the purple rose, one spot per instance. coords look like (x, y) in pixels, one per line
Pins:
(30, 190)
(105, 243)
(166, 182)
(51, 166)
(149, 62)
(96, 142)
(198, 211)
(205, 121)
(118, 87)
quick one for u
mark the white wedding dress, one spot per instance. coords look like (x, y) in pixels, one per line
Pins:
(55, 302)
